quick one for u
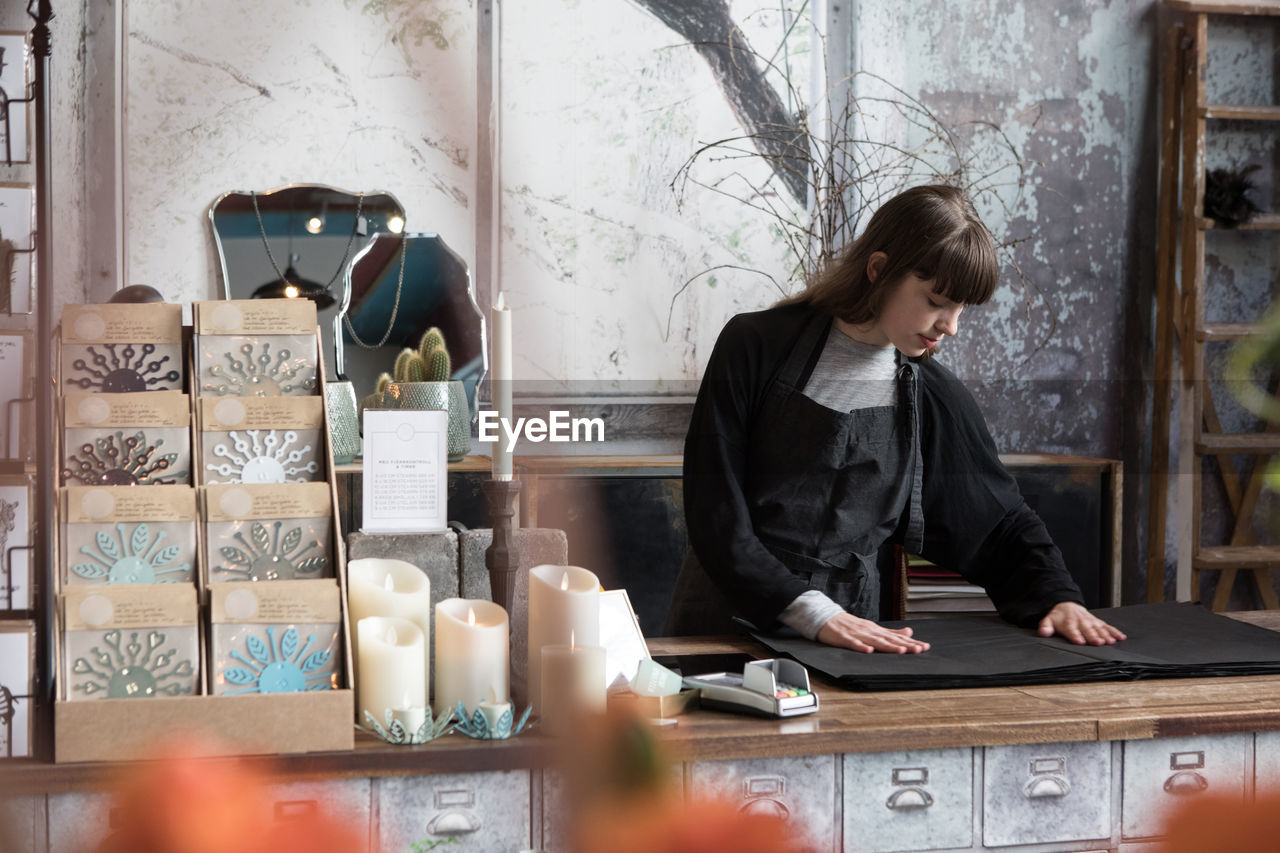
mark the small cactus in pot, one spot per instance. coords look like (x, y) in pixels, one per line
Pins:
(421, 381)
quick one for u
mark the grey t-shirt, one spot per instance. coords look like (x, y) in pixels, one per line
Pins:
(849, 375)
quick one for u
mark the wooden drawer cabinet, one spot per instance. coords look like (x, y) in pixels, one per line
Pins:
(1046, 793)
(482, 811)
(556, 814)
(1159, 775)
(80, 821)
(22, 823)
(801, 790)
(907, 801)
(344, 800)
(1267, 761)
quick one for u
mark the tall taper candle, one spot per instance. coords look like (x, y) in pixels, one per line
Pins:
(564, 607)
(502, 465)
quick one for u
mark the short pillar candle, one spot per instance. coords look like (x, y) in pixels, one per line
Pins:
(572, 686)
(564, 608)
(472, 654)
(390, 667)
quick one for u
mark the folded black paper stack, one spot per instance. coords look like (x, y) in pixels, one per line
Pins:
(979, 650)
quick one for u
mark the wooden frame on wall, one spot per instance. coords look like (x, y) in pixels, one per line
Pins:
(16, 577)
(15, 77)
(16, 391)
(17, 688)
(17, 243)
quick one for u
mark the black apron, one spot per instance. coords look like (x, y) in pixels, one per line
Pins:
(826, 489)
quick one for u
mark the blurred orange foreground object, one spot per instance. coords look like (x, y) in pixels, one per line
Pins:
(184, 804)
(1225, 824)
(709, 826)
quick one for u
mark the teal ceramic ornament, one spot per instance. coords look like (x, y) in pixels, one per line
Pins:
(117, 460)
(124, 371)
(261, 372)
(263, 456)
(478, 726)
(135, 557)
(279, 666)
(137, 669)
(395, 732)
(266, 555)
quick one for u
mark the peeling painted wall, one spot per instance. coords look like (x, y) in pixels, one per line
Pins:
(619, 284)
(242, 95)
(1070, 84)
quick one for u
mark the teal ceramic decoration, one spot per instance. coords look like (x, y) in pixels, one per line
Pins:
(115, 460)
(261, 373)
(266, 555)
(134, 670)
(478, 726)
(280, 666)
(123, 371)
(395, 732)
(263, 456)
(135, 557)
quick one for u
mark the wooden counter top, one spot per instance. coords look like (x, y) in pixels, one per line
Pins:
(847, 722)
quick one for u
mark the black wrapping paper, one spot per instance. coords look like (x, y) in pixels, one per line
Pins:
(978, 650)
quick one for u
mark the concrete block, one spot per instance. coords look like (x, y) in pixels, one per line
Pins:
(536, 546)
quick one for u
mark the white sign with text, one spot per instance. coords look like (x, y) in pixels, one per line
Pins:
(405, 471)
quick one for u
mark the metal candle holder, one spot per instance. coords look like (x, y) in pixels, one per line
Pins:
(502, 558)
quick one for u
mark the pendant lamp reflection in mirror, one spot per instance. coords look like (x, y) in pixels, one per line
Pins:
(291, 285)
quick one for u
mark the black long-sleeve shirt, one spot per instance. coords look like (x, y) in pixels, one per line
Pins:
(976, 522)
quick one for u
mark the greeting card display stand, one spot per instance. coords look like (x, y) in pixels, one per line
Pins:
(260, 723)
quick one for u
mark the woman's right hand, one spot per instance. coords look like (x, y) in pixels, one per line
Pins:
(862, 635)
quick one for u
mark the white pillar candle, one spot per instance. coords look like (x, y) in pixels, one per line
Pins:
(390, 668)
(572, 686)
(378, 587)
(564, 607)
(472, 657)
(501, 378)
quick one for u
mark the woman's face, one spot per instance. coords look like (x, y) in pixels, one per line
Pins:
(914, 318)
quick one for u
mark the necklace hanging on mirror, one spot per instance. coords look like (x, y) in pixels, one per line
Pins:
(346, 254)
(346, 318)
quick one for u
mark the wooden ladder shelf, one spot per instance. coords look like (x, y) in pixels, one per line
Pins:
(1180, 315)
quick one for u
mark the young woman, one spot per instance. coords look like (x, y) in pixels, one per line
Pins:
(823, 431)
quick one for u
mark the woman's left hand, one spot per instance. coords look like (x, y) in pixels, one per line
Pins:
(1077, 624)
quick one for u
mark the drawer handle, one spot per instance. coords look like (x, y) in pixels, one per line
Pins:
(766, 807)
(906, 799)
(453, 823)
(294, 809)
(1041, 787)
(1185, 782)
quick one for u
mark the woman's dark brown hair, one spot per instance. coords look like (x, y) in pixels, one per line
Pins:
(931, 231)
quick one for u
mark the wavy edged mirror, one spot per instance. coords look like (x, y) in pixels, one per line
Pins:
(400, 288)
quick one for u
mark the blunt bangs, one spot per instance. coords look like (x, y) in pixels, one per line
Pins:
(963, 267)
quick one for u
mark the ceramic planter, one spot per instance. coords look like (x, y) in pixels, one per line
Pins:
(450, 396)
